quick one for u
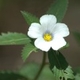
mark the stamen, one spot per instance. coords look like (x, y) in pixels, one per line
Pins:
(47, 37)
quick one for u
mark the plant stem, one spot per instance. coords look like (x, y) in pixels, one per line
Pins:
(42, 66)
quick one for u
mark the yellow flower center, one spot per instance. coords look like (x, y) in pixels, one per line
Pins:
(47, 37)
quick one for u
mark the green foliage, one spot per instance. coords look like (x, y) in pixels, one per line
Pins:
(27, 50)
(58, 63)
(13, 39)
(59, 66)
(8, 75)
(77, 76)
(61, 74)
(57, 59)
(46, 74)
(58, 8)
(77, 36)
(29, 17)
(77, 73)
(77, 70)
(30, 70)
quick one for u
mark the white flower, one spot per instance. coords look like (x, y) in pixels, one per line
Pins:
(48, 34)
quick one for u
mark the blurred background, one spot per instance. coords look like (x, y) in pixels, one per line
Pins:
(11, 20)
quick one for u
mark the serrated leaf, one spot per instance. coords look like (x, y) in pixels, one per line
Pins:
(27, 50)
(77, 36)
(61, 74)
(13, 39)
(29, 17)
(59, 66)
(8, 75)
(58, 8)
(57, 59)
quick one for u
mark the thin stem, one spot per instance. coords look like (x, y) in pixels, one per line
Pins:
(42, 66)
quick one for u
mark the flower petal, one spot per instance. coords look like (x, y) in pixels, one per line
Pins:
(33, 34)
(61, 29)
(35, 27)
(58, 42)
(41, 44)
(48, 20)
(34, 30)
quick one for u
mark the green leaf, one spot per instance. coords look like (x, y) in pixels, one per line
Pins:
(29, 17)
(61, 74)
(59, 66)
(27, 50)
(77, 36)
(13, 39)
(30, 70)
(58, 8)
(77, 73)
(46, 74)
(57, 59)
(77, 76)
(77, 70)
(8, 75)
